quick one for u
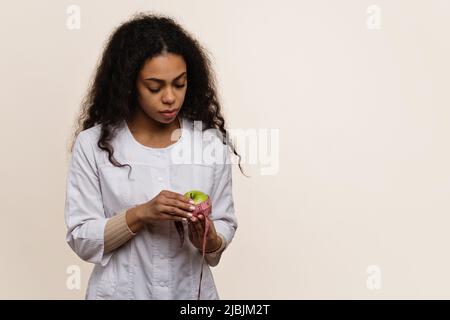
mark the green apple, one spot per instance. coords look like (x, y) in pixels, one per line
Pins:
(202, 202)
(203, 206)
(197, 196)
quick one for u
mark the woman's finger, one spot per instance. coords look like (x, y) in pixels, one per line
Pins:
(194, 233)
(190, 232)
(176, 196)
(180, 204)
(211, 230)
(174, 211)
(201, 225)
(200, 229)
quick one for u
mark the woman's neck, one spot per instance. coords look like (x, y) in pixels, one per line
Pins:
(152, 133)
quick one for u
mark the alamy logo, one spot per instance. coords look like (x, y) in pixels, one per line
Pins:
(74, 17)
(73, 281)
(373, 281)
(255, 146)
(373, 21)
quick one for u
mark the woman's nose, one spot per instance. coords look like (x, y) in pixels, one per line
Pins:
(168, 96)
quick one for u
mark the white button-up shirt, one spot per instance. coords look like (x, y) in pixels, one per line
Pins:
(152, 265)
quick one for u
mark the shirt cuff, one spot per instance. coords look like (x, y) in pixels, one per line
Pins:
(213, 258)
(117, 232)
(222, 246)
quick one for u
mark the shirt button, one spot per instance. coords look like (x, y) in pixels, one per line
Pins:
(160, 179)
(159, 154)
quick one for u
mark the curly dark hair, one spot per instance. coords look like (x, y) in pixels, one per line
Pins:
(112, 96)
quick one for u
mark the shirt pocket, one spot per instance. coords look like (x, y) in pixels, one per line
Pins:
(122, 187)
(107, 285)
(187, 177)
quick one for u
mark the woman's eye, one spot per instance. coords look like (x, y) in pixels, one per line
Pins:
(157, 90)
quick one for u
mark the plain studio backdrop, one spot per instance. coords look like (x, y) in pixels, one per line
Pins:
(358, 91)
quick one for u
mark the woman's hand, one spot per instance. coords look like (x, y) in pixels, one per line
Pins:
(167, 205)
(196, 227)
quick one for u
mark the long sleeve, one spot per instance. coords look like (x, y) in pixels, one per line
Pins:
(222, 214)
(84, 213)
(117, 232)
(213, 258)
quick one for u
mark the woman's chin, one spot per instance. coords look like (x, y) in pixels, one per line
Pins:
(167, 120)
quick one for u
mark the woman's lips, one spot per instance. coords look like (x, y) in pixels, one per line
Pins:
(169, 114)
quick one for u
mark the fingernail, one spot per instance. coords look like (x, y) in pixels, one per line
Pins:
(184, 219)
(191, 208)
(191, 201)
(190, 215)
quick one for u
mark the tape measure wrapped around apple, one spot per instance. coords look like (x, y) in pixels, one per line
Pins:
(203, 206)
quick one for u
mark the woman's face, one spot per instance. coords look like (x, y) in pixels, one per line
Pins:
(161, 86)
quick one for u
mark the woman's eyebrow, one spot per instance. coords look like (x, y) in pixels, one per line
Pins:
(162, 81)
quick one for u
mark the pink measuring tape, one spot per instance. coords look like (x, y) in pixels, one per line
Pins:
(204, 209)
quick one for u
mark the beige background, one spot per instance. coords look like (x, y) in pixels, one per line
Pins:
(363, 116)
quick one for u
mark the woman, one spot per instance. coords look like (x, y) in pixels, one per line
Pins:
(132, 164)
